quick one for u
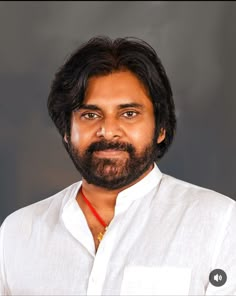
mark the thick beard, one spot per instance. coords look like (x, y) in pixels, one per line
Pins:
(113, 173)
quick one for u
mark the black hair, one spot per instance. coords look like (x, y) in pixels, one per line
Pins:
(101, 56)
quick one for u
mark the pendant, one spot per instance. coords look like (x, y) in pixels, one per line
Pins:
(100, 235)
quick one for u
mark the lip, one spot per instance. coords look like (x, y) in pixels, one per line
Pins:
(109, 153)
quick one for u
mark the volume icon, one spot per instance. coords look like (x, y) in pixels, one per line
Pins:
(217, 277)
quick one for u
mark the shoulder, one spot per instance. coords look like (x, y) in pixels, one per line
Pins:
(181, 192)
(47, 210)
(210, 216)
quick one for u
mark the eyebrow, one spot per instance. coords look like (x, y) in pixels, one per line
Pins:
(89, 107)
(120, 107)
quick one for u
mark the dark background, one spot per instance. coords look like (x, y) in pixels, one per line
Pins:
(196, 42)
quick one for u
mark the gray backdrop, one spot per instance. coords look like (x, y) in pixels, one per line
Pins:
(196, 43)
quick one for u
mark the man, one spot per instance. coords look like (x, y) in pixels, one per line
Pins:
(126, 228)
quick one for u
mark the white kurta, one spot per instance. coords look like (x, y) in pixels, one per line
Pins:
(165, 238)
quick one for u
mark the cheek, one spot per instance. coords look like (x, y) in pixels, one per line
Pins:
(75, 135)
(80, 137)
(141, 137)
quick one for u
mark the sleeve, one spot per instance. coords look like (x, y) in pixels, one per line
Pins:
(3, 285)
(224, 256)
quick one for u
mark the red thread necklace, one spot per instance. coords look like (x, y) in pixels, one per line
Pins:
(95, 213)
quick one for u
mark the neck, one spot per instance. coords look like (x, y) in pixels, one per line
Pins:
(103, 198)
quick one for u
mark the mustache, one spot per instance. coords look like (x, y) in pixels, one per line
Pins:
(105, 145)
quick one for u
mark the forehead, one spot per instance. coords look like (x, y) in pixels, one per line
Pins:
(116, 88)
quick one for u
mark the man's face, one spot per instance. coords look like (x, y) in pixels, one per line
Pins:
(113, 139)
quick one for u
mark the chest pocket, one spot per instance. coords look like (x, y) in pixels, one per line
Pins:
(143, 280)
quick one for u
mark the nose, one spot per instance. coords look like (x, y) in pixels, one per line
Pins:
(109, 129)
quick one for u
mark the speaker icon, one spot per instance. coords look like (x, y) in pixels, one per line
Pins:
(217, 277)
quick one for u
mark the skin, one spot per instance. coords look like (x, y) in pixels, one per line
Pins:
(116, 107)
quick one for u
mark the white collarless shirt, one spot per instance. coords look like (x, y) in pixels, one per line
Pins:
(165, 239)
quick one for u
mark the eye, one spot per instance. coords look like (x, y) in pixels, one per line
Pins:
(130, 114)
(90, 115)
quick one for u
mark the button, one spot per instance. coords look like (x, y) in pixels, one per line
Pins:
(217, 277)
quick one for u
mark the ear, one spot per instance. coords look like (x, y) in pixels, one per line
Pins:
(65, 138)
(161, 136)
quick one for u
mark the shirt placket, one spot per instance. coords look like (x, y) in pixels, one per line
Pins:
(101, 260)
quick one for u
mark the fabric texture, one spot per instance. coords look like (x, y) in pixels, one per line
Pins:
(165, 239)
